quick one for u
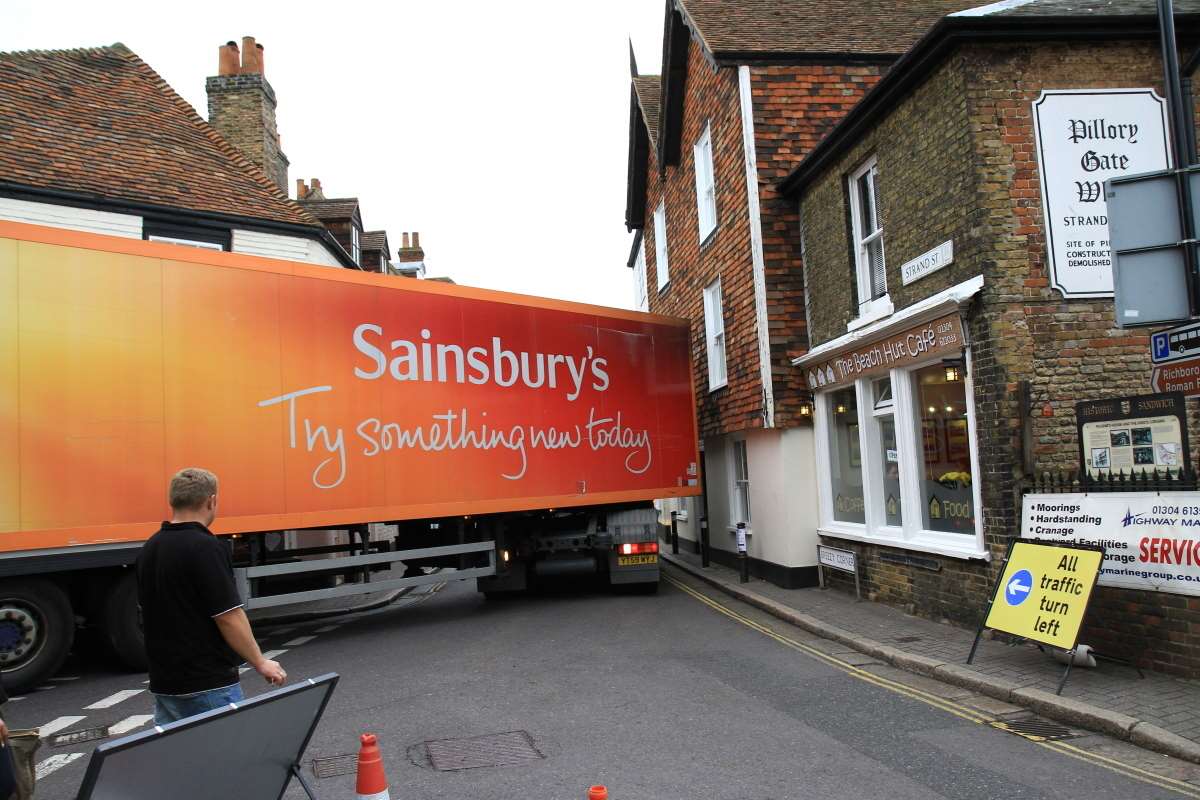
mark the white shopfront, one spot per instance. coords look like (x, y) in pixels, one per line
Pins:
(897, 460)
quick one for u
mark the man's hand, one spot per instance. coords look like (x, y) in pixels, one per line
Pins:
(3, 733)
(271, 672)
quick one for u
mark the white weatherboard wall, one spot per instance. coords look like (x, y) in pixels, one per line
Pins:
(783, 496)
(75, 219)
(289, 248)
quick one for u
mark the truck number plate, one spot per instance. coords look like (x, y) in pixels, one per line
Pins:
(630, 561)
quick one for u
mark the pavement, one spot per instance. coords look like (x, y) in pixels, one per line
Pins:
(1154, 711)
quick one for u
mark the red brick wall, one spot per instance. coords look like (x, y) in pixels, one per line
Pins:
(711, 96)
(794, 107)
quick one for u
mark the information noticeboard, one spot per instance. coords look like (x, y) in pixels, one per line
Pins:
(1043, 592)
(1141, 433)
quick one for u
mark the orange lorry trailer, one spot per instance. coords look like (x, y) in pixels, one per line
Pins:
(500, 437)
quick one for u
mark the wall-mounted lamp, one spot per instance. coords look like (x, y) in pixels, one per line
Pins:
(841, 408)
(806, 409)
(954, 369)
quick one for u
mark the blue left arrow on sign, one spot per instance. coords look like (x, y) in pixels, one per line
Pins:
(1018, 588)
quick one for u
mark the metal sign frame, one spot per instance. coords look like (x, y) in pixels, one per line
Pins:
(327, 682)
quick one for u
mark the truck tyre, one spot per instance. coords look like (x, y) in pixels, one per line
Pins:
(122, 624)
(37, 628)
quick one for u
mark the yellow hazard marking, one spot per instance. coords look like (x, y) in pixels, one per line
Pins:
(949, 706)
(1044, 592)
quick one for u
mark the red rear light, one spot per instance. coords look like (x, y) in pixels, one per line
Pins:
(651, 547)
(628, 549)
(638, 548)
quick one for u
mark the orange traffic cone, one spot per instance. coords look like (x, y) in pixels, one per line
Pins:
(597, 793)
(371, 784)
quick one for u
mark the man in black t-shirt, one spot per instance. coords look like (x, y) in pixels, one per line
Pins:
(196, 629)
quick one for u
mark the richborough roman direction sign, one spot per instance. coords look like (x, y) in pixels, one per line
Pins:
(941, 335)
(1150, 541)
(1083, 138)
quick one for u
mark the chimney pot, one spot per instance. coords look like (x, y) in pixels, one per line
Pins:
(316, 183)
(416, 240)
(249, 56)
(301, 189)
(261, 61)
(404, 243)
(228, 59)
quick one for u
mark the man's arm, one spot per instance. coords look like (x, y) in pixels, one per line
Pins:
(235, 630)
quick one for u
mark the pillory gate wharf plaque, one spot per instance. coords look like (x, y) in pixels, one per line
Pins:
(942, 335)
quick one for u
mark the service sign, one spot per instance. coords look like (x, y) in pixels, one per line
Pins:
(1084, 137)
(1043, 592)
(1150, 541)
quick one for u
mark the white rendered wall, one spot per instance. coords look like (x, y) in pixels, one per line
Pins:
(76, 219)
(290, 248)
(783, 496)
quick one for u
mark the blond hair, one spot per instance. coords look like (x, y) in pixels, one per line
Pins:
(191, 487)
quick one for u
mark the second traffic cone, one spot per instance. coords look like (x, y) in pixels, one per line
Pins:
(598, 793)
(372, 783)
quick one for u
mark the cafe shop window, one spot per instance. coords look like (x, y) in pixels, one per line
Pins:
(898, 448)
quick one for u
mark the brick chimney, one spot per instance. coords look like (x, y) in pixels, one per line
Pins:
(312, 191)
(410, 258)
(241, 106)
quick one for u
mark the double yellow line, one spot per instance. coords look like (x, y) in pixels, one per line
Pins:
(949, 706)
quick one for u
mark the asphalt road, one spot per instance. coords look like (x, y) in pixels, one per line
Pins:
(657, 697)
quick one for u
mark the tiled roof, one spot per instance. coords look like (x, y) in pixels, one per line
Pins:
(100, 121)
(374, 240)
(775, 27)
(649, 89)
(334, 208)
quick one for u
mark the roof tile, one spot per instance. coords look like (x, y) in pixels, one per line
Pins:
(101, 121)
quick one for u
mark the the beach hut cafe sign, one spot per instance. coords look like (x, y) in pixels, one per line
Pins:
(920, 342)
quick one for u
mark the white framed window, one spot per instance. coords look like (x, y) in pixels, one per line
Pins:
(714, 335)
(660, 244)
(355, 249)
(870, 265)
(739, 477)
(706, 183)
(897, 461)
(641, 302)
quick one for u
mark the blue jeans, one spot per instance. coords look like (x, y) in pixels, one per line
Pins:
(174, 707)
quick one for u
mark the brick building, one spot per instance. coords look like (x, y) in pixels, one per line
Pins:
(937, 293)
(744, 94)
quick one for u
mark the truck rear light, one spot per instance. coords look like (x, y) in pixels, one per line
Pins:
(638, 548)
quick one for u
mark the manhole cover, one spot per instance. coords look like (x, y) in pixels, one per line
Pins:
(1040, 730)
(494, 750)
(331, 766)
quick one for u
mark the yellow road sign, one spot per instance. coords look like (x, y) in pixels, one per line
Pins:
(1044, 592)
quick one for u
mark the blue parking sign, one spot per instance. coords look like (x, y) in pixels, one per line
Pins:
(1160, 347)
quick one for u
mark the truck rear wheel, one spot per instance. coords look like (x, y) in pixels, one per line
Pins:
(37, 628)
(121, 624)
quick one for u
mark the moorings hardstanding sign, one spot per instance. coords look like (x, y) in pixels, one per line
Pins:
(1084, 137)
(1150, 541)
